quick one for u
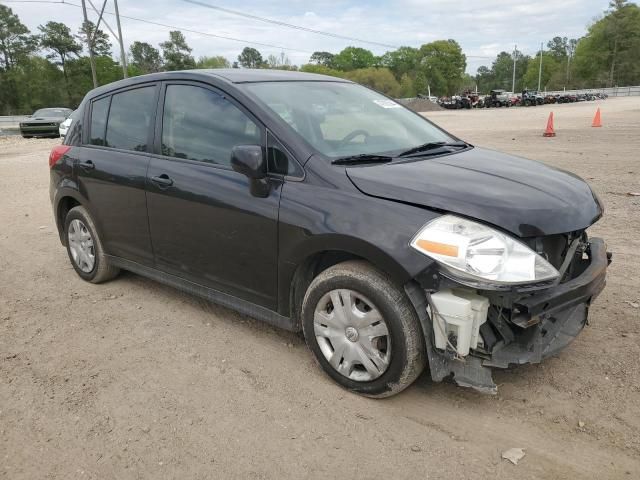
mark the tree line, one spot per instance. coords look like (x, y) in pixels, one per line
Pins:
(51, 67)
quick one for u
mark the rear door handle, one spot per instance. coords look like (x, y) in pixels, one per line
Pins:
(88, 165)
(162, 180)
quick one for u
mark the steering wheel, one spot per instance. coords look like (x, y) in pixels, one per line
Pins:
(352, 135)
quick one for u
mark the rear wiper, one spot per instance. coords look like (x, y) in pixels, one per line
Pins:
(362, 158)
(432, 146)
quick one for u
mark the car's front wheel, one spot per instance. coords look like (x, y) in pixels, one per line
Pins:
(363, 330)
(85, 248)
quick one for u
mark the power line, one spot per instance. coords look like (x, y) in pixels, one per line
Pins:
(288, 25)
(297, 27)
(234, 12)
(158, 24)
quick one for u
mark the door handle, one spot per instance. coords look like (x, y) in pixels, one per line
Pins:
(162, 180)
(88, 165)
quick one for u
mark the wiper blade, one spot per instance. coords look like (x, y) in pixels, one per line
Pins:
(432, 146)
(362, 158)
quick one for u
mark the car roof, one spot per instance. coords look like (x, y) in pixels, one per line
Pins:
(243, 75)
(226, 75)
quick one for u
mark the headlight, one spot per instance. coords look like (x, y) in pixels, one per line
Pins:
(481, 254)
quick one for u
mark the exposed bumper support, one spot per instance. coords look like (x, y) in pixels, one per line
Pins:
(556, 315)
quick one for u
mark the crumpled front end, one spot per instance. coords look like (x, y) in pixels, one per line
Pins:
(469, 331)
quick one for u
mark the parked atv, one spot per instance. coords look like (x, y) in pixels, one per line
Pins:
(529, 98)
(497, 98)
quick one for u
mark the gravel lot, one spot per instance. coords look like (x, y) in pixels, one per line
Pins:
(132, 379)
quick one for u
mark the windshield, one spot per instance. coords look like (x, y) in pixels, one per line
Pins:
(343, 119)
(52, 112)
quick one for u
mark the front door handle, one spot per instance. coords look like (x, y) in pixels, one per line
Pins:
(88, 165)
(162, 180)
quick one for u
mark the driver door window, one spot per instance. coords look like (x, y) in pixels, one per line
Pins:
(198, 124)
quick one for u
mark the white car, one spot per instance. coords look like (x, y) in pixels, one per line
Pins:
(64, 126)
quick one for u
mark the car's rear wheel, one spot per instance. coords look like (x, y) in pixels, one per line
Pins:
(85, 249)
(363, 330)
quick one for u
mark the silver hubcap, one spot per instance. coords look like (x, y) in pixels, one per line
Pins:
(81, 246)
(352, 335)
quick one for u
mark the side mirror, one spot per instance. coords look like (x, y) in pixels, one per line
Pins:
(249, 160)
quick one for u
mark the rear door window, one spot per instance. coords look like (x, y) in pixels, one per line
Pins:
(130, 117)
(199, 124)
(99, 111)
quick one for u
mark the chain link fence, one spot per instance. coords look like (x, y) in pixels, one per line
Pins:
(612, 91)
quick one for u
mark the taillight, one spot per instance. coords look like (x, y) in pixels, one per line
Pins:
(57, 153)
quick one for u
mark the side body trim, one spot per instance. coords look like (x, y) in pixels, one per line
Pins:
(220, 298)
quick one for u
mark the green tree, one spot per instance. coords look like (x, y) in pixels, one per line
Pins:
(402, 61)
(107, 70)
(33, 83)
(57, 38)
(321, 69)
(145, 57)
(380, 79)
(501, 73)
(352, 58)
(250, 58)
(443, 64)
(15, 40)
(551, 65)
(608, 54)
(213, 62)
(407, 87)
(558, 47)
(322, 58)
(484, 79)
(176, 52)
(101, 46)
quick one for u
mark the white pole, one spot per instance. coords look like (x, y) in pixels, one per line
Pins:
(90, 37)
(540, 69)
(513, 82)
(123, 55)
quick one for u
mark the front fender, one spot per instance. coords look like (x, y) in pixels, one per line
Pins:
(315, 219)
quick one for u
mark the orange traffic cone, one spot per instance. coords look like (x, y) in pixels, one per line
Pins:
(549, 131)
(596, 119)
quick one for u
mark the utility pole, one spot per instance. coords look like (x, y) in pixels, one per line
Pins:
(513, 82)
(123, 57)
(540, 69)
(90, 37)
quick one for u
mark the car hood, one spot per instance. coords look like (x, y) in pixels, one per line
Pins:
(525, 197)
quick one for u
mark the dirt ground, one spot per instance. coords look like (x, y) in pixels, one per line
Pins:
(132, 379)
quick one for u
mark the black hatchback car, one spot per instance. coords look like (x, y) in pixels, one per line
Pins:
(318, 205)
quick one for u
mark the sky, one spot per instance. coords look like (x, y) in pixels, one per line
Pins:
(482, 27)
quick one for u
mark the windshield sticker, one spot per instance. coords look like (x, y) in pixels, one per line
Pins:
(386, 103)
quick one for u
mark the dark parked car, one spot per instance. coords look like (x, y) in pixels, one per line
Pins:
(44, 122)
(321, 206)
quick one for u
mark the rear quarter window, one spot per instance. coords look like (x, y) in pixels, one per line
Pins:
(130, 117)
(98, 124)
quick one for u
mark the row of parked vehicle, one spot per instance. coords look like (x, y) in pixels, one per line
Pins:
(502, 98)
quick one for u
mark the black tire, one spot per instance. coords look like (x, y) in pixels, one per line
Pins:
(102, 271)
(27, 136)
(407, 354)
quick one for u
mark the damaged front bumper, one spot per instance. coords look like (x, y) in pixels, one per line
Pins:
(523, 326)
